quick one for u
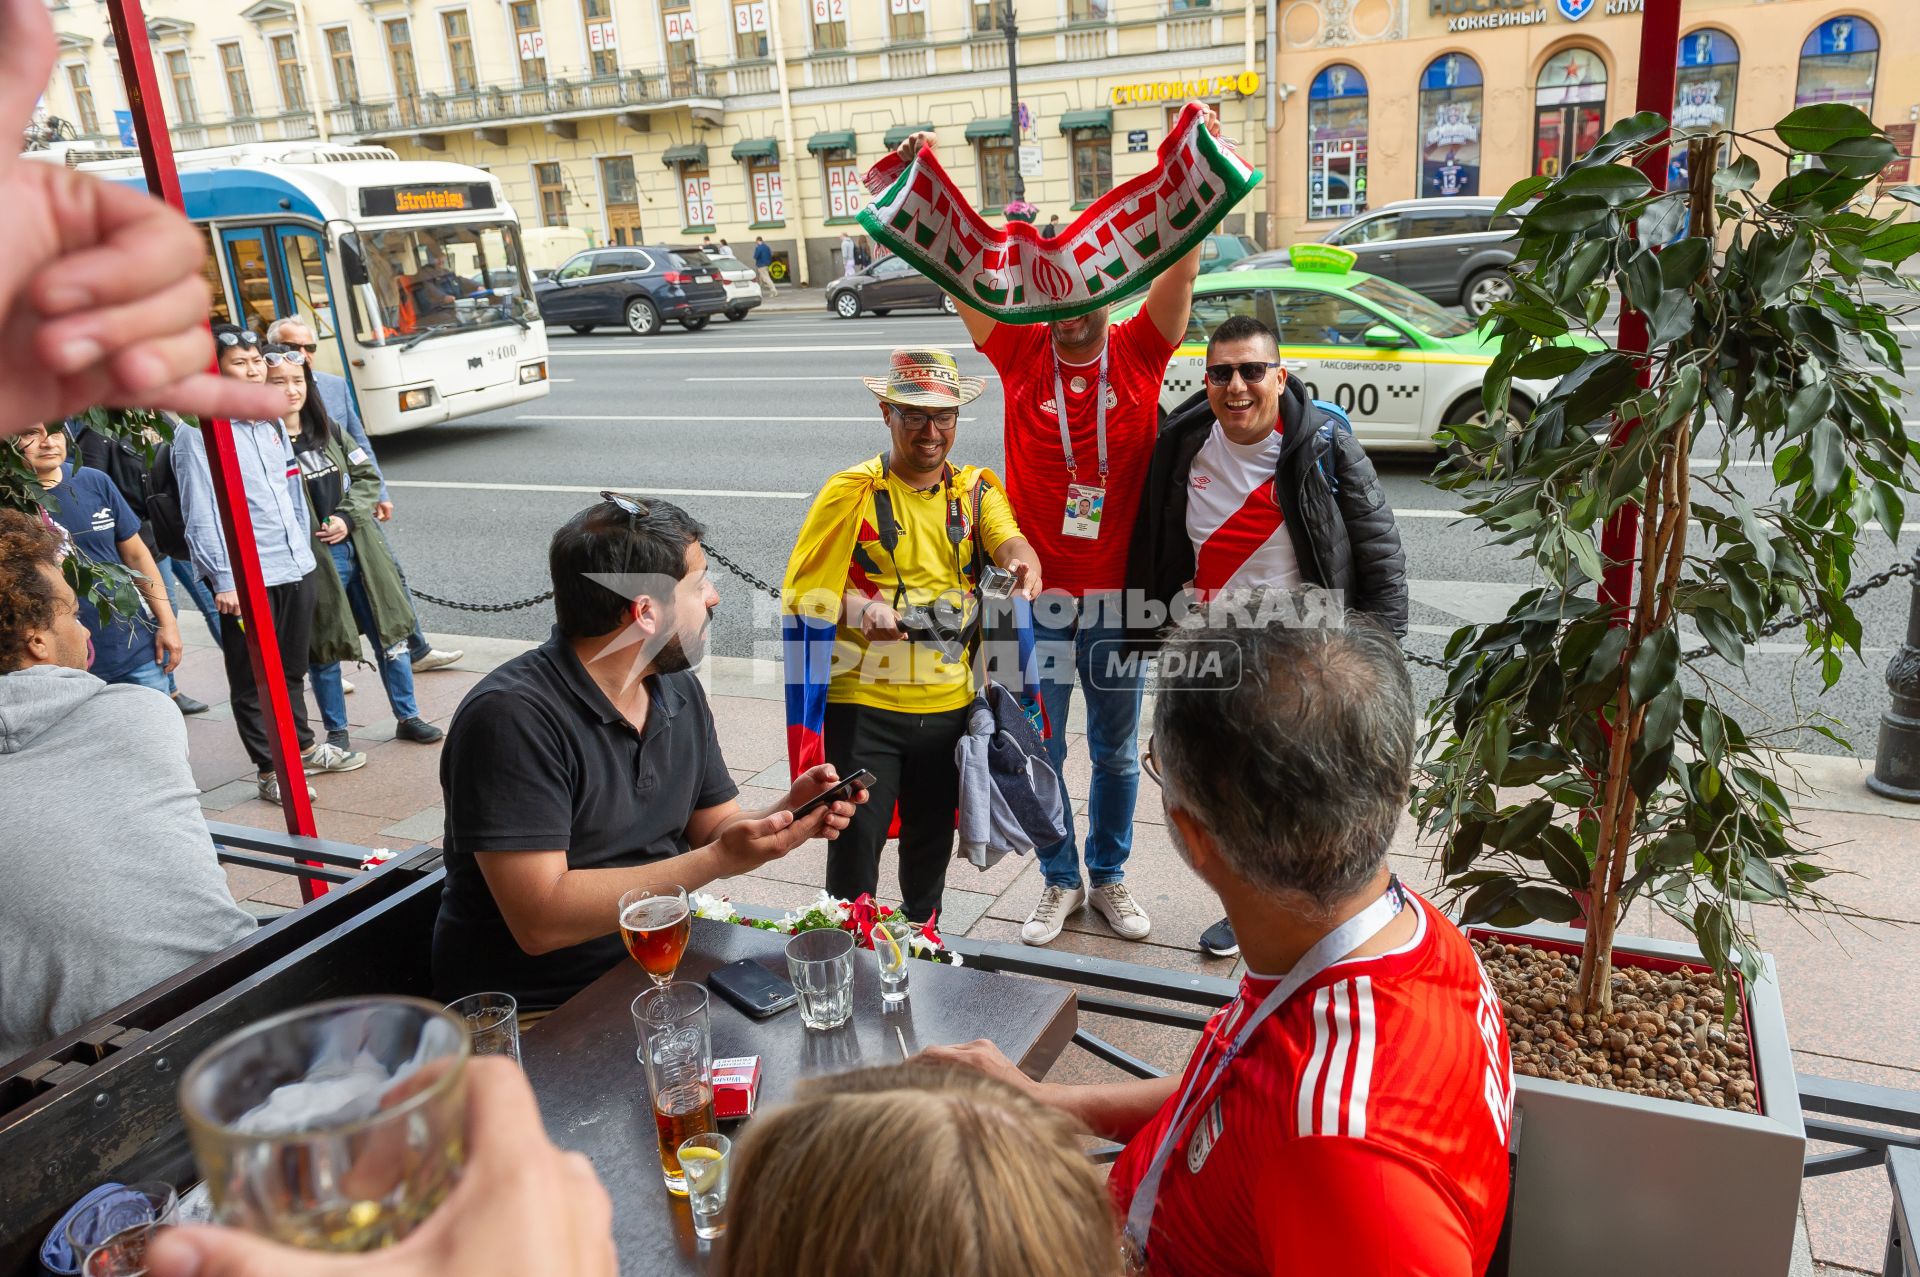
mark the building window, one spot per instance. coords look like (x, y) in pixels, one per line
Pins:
(763, 184)
(845, 194)
(1092, 164)
(1451, 98)
(406, 73)
(999, 170)
(239, 96)
(182, 76)
(829, 24)
(531, 44)
(286, 67)
(1088, 10)
(1569, 109)
(696, 196)
(1703, 88)
(986, 15)
(681, 56)
(460, 50)
(346, 81)
(750, 30)
(84, 113)
(906, 21)
(1337, 143)
(553, 194)
(621, 194)
(1837, 64)
(603, 42)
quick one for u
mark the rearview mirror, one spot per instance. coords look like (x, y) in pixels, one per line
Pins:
(1385, 337)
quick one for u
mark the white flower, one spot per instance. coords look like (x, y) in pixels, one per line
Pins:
(921, 946)
(715, 908)
(831, 907)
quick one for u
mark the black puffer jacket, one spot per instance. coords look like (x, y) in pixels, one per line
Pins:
(1345, 539)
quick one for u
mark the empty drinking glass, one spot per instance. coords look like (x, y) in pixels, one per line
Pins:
(110, 1236)
(336, 1127)
(493, 1023)
(820, 964)
(676, 1047)
(707, 1162)
(892, 946)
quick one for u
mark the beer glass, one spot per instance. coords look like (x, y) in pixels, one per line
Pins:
(110, 1237)
(892, 946)
(493, 1023)
(708, 1163)
(655, 926)
(820, 965)
(676, 1049)
(337, 1127)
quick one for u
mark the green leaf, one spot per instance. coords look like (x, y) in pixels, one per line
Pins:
(1808, 405)
(1545, 903)
(1663, 717)
(1563, 857)
(1829, 457)
(1642, 276)
(1654, 665)
(1778, 264)
(1721, 636)
(1519, 193)
(1674, 851)
(1585, 553)
(1561, 216)
(1820, 188)
(1672, 318)
(1548, 362)
(1614, 184)
(1859, 156)
(1894, 244)
(1741, 175)
(1604, 664)
(1623, 137)
(1888, 509)
(1817, 128)
(1681, 263)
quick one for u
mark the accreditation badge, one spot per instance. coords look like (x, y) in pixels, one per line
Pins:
(1083, 511)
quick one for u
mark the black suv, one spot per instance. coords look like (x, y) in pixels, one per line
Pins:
(639, 288)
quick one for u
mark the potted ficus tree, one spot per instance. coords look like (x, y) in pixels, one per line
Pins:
(1583, 755)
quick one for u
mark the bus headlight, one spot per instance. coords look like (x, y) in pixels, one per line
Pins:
(412, 399)
(533, 372)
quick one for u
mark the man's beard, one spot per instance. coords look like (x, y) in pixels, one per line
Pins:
(673, 657)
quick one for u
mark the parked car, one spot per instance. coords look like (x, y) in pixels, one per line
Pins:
(639, 287)
(1451, 249)
(1219, 251)
(889, 284)
(743, 286)
(1401, 366)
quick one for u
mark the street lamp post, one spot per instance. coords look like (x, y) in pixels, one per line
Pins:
(1896, 763)
(1012, 29)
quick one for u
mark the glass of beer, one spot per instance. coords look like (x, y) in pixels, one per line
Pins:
(109, 1238)
(335, 1127)
(655, 926)
(676, 1048)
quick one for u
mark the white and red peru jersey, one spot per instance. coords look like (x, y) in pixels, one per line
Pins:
(1361, 1133)
(1233, 517)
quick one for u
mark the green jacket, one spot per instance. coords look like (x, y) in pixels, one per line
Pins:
(336, 636)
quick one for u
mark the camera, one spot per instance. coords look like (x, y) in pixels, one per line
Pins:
(996, 583)
(922, 626)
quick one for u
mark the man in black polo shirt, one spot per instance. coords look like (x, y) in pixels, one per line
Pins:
(589, 766)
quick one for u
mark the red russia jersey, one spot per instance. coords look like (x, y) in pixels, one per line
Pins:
(1036, 467)
(1363, 1131)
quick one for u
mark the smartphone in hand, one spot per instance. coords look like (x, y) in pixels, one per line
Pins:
(860, 780)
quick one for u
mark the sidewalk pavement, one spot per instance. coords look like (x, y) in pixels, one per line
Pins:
(1849, 986)
(792, 298)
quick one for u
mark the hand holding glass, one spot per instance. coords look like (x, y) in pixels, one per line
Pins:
(109, 1238)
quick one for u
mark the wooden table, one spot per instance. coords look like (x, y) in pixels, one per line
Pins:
(593, 1093)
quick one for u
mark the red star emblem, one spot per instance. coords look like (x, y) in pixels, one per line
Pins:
(1573, 69)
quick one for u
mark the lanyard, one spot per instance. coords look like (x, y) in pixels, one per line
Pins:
(1333, 946)
(1099, 415)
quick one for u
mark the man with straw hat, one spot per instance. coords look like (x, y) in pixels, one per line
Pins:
(881, 609)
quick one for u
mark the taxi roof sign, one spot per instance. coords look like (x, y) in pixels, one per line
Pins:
(1328, 259)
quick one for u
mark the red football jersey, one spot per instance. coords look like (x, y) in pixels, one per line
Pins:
(1363, 1130)
(1036, 467)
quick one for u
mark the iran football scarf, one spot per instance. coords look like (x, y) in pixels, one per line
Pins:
(1128, 236)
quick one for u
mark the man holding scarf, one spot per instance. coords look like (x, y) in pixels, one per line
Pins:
(1082, 412)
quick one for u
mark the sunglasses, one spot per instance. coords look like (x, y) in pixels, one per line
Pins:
(241, 338)
(307, 346)
(275, 358)
(1252, 374)
(626, 504)
(915, 422)
(1149, 764)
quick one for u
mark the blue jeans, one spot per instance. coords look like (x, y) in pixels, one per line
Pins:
(146, 674)
(182, 571)
(1082, 645)
(396, 668)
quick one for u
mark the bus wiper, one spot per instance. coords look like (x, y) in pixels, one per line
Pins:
(425, 333)
(525, 327)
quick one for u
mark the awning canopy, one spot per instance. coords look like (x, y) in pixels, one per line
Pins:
(901, 132)
(1097, 120)
(686, 153)
(1000, 127)
(756, 148)
(822, 143)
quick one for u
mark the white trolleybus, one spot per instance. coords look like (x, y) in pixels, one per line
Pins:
(410, 273)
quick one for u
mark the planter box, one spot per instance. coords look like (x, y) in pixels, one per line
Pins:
(1608, 1184)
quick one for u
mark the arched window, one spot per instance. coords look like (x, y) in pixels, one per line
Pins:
(1703, 87)
(1569, 109)
(1451, 97)
(1837, 64)
(1337, 143)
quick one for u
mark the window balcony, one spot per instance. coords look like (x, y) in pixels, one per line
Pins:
(753, 77)
(906, 62)
(558, 102)
(829, 70)
(1191, 31)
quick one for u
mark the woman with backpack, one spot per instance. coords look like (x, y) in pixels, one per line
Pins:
(358, 586)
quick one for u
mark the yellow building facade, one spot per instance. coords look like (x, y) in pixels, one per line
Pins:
(674, 120)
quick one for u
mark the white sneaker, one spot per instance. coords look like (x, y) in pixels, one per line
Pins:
(437, 659)
(1116, 904)
(346, 688)
(328, 757)
(1050, 915)
(268, 787)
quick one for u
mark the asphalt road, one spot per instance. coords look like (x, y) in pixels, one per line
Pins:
(740, 423)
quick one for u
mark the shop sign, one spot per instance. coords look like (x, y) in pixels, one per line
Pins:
(1243, 83)
(1030, 159)
(1574, 10)
(1136, 139)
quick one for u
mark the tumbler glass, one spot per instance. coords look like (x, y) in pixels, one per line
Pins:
(110, 1237)
(676, 1048)
(336, 1127)
(707, 1161)
(493, 1023)
(892, 946)
(820, 965)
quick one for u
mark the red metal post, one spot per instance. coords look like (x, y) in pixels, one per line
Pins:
(263, 645)
(1659, 54)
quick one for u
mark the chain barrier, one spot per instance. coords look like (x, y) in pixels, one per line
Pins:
(535, 601)
(714, 556)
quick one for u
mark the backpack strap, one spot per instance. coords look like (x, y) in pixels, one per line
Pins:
(1332, 417)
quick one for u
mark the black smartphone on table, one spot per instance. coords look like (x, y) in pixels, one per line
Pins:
(751, 987)
(862, 779)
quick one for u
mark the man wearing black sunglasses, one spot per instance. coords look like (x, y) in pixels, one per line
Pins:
(1254, 485)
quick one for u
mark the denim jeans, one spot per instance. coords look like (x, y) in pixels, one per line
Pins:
(396, 668)
(182, 571)
(147, 674)
(1082, 644)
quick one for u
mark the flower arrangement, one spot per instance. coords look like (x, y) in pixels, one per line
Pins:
(829, 913)
(1021, 211)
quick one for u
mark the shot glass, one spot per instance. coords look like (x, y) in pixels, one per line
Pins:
(820, 965)
(335, 1127)
(892, 946)
(707, 1162)
(676, 1048)
(110, 1237)
(493, 1023)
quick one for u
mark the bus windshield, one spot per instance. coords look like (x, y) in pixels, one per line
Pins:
(1411, 308)
(416, 281)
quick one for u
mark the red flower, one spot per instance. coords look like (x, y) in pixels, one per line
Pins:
(928, 934)
(862, 920)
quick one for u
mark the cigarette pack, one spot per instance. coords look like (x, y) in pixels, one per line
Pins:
(736, 1086)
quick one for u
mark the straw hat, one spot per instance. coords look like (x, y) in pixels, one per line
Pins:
(924, 377)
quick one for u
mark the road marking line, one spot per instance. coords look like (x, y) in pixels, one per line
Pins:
(596, 489)
(1462, 514)
(842, 377)
(542, 416)
(680, 352)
